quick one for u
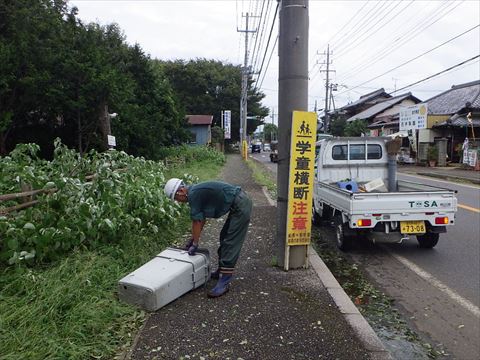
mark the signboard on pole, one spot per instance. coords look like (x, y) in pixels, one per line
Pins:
(413, 117)
(111, 141)
(300, 184)
(227, 123)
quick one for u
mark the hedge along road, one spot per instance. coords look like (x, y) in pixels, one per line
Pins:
(440, 291)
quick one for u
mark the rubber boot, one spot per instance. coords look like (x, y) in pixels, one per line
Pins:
(222, 286)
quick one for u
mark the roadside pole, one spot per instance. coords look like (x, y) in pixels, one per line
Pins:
(243, 100)
(292, 95)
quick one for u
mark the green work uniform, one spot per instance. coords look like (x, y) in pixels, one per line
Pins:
(213, 199)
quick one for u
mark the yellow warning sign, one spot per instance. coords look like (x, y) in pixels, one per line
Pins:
(300, 184)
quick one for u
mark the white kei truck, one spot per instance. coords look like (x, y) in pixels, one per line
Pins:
(350, 191)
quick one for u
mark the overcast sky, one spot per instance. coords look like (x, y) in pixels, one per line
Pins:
(367, 39)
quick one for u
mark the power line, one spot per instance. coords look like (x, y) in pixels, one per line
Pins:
(339, 31)
(262, 34)
(347, 23)
(268, 63)
(410, 33)
(359, 23)
(268, 43)
(439, 73)
(378, 14)
(386, 19)
(416, 57)
(385, 50)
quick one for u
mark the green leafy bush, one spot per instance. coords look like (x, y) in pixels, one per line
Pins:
(192, 153)
(124, 196)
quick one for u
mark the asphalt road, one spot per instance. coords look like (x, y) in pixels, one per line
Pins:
(264, 157)
(437, 289)
(455, 261)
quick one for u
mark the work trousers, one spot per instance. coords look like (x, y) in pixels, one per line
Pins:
(234, 232)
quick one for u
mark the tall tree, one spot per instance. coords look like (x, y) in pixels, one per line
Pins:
(61, 77)
(207, 87)
(28, 50)
(270, 132)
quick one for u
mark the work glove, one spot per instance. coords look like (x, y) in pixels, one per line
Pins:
(192, 250)
(188, 244)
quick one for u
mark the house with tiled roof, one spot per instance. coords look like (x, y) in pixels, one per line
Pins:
(363, 103)
(447, 117)
(383, 117)
(201, 128)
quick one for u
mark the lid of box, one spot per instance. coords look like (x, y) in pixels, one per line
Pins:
(148, 275)
(198, 260)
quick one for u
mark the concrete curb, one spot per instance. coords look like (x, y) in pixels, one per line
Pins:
(355, 319)
(350, 312)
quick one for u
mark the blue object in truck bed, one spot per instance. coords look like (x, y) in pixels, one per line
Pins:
(351, 186)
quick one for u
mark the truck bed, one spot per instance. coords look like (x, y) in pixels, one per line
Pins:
(411, 202)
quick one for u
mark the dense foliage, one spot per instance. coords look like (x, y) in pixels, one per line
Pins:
(207, 87)
(125, 196)
(67, 309)
(337, 125)
(61, 78)
(270, 132)
(356, 128)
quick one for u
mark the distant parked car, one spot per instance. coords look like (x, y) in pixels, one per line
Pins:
(266, 147)
(256, 147)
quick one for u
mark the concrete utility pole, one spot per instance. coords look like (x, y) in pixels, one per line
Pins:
(292, 95)
(333, 87)
(327, 86)
(243, 99)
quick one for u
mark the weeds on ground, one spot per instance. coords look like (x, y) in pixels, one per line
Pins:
(263, 177)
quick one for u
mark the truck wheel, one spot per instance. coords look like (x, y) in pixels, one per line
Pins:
(428, 240)
(343, 242)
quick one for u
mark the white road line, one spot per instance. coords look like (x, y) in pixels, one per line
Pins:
(441, 181)
(438, 284)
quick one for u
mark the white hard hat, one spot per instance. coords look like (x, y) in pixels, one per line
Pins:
(172, 186)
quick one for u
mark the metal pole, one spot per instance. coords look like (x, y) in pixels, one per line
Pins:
(245, 80)
(292, 95)
(243, 100)
(325, 130)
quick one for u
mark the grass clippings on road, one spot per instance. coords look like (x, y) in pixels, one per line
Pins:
(375, 306)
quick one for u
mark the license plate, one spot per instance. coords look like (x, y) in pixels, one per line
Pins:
(412, 227)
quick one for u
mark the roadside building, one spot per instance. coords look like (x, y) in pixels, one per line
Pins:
(383, 117)
(447, 118)
(364, 102)
(201, 129)
(347, 111)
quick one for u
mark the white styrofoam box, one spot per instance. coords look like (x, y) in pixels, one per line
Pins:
(165, 278)
(375, 184)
